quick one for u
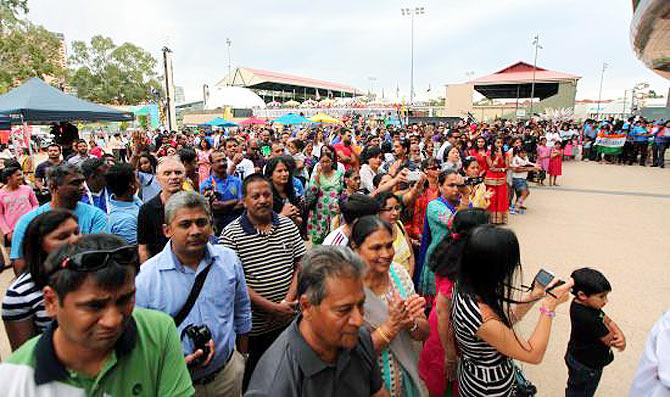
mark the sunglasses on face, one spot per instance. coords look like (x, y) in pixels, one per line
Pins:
(91, 261)
(458, 185)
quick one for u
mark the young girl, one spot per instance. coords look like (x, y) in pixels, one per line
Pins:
(555, 164)
(543, 156)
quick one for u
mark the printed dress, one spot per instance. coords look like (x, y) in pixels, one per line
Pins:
(438, 214)
(320, 216)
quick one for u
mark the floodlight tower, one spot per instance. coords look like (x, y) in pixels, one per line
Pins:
(411, 12)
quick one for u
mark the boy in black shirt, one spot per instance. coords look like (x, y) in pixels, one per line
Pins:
(593, 334)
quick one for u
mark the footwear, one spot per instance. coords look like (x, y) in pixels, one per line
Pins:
(523, 207)
(512, 211)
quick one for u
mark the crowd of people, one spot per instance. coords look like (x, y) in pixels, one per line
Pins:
(348, 259)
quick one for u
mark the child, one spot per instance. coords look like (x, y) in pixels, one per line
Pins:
(555, 164)
(593, 334)
(520, 167)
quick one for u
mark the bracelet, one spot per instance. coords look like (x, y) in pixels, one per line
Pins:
(415, 326)
(384, 335)
(547, 312)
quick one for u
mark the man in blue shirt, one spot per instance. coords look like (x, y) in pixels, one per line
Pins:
(95, 190)
(661, 134)
(223, 191)
(124, 206)
(640, 141)
(66, 184)
(223, 304)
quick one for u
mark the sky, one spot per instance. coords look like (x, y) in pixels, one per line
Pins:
(367, 44)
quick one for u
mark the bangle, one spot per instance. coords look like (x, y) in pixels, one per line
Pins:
(547, 312)
(415, 326)
(384, 335)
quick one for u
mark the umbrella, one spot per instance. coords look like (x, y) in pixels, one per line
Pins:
(290, 119)
(253, 120)
(221, 122)
(324, 118)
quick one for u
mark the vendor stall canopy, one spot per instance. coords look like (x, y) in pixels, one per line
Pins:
(35, 101)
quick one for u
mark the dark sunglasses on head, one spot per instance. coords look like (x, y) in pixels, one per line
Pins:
(91, 261)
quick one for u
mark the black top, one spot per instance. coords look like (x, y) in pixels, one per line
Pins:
(291, 368)
(150, 225)
(42, 169)
(588, 326)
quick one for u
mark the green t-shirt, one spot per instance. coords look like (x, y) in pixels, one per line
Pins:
(147, 361)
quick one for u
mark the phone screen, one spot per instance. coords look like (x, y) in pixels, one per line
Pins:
(544, 277)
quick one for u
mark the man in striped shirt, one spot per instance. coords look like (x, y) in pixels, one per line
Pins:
(270, 248)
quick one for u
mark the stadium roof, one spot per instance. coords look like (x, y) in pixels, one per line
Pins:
(265, 80)
(521, 72)
(516, 81)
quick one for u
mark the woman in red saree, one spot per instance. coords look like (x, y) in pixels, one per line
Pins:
(496, 182)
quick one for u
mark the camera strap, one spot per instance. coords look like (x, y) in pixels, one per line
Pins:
(192, 296)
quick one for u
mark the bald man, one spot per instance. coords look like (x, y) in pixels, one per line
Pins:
(150, 238)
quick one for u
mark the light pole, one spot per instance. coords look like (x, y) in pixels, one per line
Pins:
(536, 43)
(410, 12)
(230, 79)
(600, 90)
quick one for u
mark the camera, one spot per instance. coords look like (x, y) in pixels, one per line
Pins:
(200, 335)
(474, 181)
(413, 176)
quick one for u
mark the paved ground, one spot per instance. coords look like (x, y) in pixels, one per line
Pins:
(614, 219)
(605, 216)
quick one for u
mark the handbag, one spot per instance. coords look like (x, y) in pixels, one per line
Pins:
(192, 296)
(522, 387)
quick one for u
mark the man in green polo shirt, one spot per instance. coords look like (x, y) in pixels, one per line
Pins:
(99, 344)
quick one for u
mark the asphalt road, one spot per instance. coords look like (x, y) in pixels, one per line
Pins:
(605, 216)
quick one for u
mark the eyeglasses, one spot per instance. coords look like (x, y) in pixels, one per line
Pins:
(458, 185)
(394, 208)
(91, 261)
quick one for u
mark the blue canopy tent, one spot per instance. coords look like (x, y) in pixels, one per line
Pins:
(37, 102)
(291, 119)
(221, 122)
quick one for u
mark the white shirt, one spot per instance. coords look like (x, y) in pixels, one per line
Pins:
(652, 378)
(243, 169)
(367, 176)
(336, 238)
(519, 162)
(552, 137)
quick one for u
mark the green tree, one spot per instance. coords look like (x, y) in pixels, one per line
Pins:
(26, 50)
(103, 72)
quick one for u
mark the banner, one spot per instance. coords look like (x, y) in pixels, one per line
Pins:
(610, 144)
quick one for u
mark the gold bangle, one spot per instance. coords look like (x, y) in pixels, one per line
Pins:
(384, 335)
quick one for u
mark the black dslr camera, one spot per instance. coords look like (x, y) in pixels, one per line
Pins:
(473, 181)
(200, 336)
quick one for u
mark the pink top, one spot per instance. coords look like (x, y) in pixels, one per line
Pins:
(13, 204)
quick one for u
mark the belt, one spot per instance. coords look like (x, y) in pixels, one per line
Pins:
(209, 378)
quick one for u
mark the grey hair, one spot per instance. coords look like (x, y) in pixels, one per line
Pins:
(185, 200)
(58, 173)
(322, 262)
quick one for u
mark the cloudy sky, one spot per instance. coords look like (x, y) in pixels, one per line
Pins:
(353, 42)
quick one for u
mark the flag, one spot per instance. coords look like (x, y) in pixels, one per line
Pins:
(610, 144)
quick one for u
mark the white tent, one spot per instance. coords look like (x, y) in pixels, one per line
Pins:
(234, 97)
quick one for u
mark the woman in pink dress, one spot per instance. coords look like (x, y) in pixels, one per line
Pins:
(203, 159)
(543, 155)
(555, 164)
(434, 367)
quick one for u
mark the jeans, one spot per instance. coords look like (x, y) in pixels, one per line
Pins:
(658, 154)
(582, 380)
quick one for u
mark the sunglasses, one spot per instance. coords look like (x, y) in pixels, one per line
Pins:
(458, 185)
(91, 261)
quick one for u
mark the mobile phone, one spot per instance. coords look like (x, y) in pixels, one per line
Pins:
(413, 176)
(544, 277)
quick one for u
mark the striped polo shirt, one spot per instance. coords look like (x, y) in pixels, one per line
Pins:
(268, 260)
